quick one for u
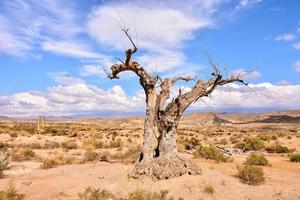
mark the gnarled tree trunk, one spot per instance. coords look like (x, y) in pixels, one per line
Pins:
(160, 158)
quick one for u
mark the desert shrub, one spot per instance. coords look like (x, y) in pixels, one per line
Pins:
(130, 155)
(278, 149)
(256, 159)
(192, 143)
(294, 157)
(98, 144)
(281, 134)
(264, 137)
(289, 137)
(49, 163)
(88, 145)
(115, 143)
(3, 145)
(251, 174)
(223, 141)
(95, 194)
(23, 154)
(104, 156)
(90, 156)
(51, 145)
(209, 188)
(10, 193)
(251, 143)
(233, 139)
(274, 137)
(210, 152)
(145, 195)
(69, 145)
(13, 134)
(4, 162)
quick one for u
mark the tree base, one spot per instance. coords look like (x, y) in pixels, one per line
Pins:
(165, 167)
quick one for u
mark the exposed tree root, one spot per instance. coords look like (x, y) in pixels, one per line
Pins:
(165, 167)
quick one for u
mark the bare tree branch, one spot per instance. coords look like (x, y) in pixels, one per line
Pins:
(183, 78)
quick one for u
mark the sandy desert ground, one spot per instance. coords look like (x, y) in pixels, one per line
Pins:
(69, 155)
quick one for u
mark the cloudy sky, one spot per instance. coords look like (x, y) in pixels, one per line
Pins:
(52, 53)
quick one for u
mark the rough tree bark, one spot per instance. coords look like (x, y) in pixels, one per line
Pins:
(159, 158)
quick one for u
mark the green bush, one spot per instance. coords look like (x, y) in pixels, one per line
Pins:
(10, 193)
(95, 194)
(294, 157)
(251, 174)
(264, 137)
(210, 152)
(257, 159)
(251, 144)
(278, 149)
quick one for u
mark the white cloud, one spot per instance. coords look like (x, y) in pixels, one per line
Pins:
(255, 96)
(246, 3)
(12, 45)
(70, 100)
(285, 37)
(27, 25)
(159, 62)
(297, 46)
(155, 27)
(92, 70)
(89, 99)
(296, 65)
(159, 26)
(64, 79)
(247, 75)
(69, 48)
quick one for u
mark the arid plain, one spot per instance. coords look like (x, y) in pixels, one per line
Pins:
(63, 157)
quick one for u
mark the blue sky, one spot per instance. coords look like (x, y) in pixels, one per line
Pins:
(53, 52)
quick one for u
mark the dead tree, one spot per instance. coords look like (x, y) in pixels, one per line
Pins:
(159, 158)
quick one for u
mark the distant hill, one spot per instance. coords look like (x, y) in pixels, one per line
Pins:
(288, 116)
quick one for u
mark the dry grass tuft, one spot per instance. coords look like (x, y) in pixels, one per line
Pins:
(10, 193)
(256, 159)
(294, 157)
(210, 152)
(209, 188)
(251, 174)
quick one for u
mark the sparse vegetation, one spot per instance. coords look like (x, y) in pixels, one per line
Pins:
(90, 156)
(145, 195)
(278, 149)
(22, 154)
(95, 194)
(10, 193)
(210, 152)
(256, 159)
(209, 188)
(130, 155)
(49, 163)
(264, 137)
(138, 194)
(4, 162)
(69, 145)
(251, 174)
(294, 157)
(251, 144)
